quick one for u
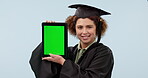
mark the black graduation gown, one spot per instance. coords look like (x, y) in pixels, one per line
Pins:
(96, 62)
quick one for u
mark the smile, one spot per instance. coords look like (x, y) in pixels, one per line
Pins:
(85, 37)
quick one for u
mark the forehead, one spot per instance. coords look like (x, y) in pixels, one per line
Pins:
(84, 21)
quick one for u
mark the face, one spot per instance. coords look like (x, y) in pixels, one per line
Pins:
(85, 30)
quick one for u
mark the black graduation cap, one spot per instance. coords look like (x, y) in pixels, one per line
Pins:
(84, 11)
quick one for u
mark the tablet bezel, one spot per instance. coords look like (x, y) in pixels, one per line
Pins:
(65, 38)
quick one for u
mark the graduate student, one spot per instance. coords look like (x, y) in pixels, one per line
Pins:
(87, 59)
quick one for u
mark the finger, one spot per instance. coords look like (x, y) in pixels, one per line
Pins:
(47, 21)
(44, 58)
(50, 21)
(52, 55)
(47, 58)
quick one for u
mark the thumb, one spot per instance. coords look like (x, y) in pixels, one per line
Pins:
(52, 55)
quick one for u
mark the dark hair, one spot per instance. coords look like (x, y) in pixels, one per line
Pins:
(71, 21)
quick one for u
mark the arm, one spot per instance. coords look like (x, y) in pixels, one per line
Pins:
(100, 67)
(43, 69)
(35, 60)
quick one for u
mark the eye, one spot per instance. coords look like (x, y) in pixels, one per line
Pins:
(80, 27)
(89, 26)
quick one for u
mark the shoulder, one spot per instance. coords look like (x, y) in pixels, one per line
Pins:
(102, 49)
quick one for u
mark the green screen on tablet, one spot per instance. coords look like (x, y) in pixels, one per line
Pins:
(54, 38)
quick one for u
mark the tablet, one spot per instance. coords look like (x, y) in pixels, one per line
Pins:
(54, 38)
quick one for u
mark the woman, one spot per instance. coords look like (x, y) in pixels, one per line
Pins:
(88, 58)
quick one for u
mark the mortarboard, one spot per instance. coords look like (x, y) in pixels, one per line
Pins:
(84, 11)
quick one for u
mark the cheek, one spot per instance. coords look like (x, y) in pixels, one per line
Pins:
(78, 31)
(93, 30)
(94, 33)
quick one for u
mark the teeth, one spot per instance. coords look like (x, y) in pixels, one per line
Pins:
(85, 37)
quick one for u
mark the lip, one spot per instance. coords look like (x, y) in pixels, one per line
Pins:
(85, 37)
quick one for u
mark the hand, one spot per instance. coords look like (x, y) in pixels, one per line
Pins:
(55, 58)
(50, 21)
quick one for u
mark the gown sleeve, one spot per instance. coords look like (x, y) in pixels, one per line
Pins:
(100, 67)
(43, 69)
(35, 60)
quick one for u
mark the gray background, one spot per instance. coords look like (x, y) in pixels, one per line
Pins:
(20, 33)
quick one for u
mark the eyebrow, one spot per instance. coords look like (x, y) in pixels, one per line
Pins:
(89, 25)
(86, 25)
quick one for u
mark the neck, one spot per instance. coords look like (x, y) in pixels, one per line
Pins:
(84, 45)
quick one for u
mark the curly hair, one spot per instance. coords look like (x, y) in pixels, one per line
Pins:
(71, 21)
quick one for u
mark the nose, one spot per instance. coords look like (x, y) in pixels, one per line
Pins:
(84, 31)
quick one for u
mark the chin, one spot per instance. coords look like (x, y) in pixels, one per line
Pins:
(85, 42)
